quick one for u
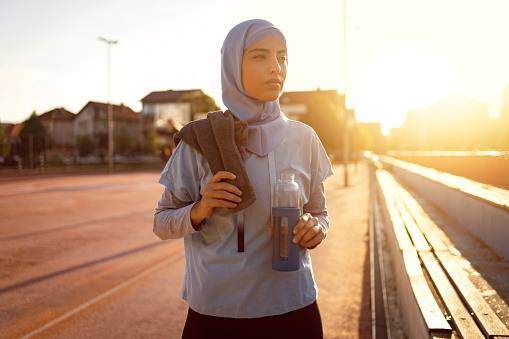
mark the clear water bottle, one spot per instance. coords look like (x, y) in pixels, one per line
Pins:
(286, 213)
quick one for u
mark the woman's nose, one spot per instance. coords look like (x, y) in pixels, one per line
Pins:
(274, 66)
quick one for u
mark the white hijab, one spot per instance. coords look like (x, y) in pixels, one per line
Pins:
(267, 125)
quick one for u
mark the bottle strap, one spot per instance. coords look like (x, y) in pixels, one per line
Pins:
(240, 231)
(272, 180)
(239, 219)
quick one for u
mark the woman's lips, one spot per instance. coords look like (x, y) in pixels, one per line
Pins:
(274, 82)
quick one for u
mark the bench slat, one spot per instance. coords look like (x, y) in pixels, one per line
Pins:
(418, 238)
(490, 323)
(430, 311)
(411, 281)
(461, 317)
(425, 223)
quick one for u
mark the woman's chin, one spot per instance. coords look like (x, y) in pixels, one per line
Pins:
(270, 96)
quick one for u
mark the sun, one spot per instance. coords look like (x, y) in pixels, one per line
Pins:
(403, 81)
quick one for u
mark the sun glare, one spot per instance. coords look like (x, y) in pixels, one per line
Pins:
(400, 82)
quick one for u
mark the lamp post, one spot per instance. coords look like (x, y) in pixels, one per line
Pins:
(110, 111)
(346, 146)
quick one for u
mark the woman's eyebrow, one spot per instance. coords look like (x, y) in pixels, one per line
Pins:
(265, 50)
(259, 50)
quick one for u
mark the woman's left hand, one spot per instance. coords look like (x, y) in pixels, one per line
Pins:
(308, 231)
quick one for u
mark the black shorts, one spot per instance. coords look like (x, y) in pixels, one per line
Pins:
(302, 323)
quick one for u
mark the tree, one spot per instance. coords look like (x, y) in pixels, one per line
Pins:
(122, 142)
(5, 146)
(85, 145)
(33, 138)
(366, 138)
(153, 141)
(323, 116)
(201, 103)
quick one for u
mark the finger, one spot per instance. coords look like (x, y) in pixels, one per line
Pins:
(312, 237)
(222, 175)
(306, 234)
(214, 203)
(218, 184)
(222, 186)
(303, 220)
(223, 195)
(313, 242)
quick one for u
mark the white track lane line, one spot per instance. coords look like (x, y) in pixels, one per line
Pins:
(105, 294)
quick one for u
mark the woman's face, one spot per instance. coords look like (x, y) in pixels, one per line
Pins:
(264, 66)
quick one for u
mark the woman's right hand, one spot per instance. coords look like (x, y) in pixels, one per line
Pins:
(216, 193)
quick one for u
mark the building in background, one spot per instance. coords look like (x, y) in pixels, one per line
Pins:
(454, 123)
(325, 112)
(163, 114)
(295, 104)
(59, 140)
(59, 127)
(161, 107)
(91, 128)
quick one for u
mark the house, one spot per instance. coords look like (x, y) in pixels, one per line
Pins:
(59, 127)
(165, 112)
(160, 107)
(295, 104)
(92, 121)
(56, 140)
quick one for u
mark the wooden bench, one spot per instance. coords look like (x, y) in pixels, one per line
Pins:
(422, 315)
(482, 209)
(467, 309)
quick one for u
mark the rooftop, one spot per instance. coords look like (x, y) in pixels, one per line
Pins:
(57, 114)
(169, 95)
(119, 111)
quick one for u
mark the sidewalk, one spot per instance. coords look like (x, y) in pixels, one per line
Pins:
(341, 262)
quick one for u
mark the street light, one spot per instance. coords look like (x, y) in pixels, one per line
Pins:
(110, 111)
(346, 146)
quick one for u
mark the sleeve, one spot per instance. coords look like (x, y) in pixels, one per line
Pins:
(172, 218)
(321, 170)
(186, 173)
(317, 207)
(182, 177)
(321, 167)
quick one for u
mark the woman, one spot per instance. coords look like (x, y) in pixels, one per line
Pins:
(218, 197)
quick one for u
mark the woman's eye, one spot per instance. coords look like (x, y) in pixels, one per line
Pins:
(259, 56)
(282, 59)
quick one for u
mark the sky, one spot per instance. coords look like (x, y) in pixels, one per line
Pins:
(400, 54)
